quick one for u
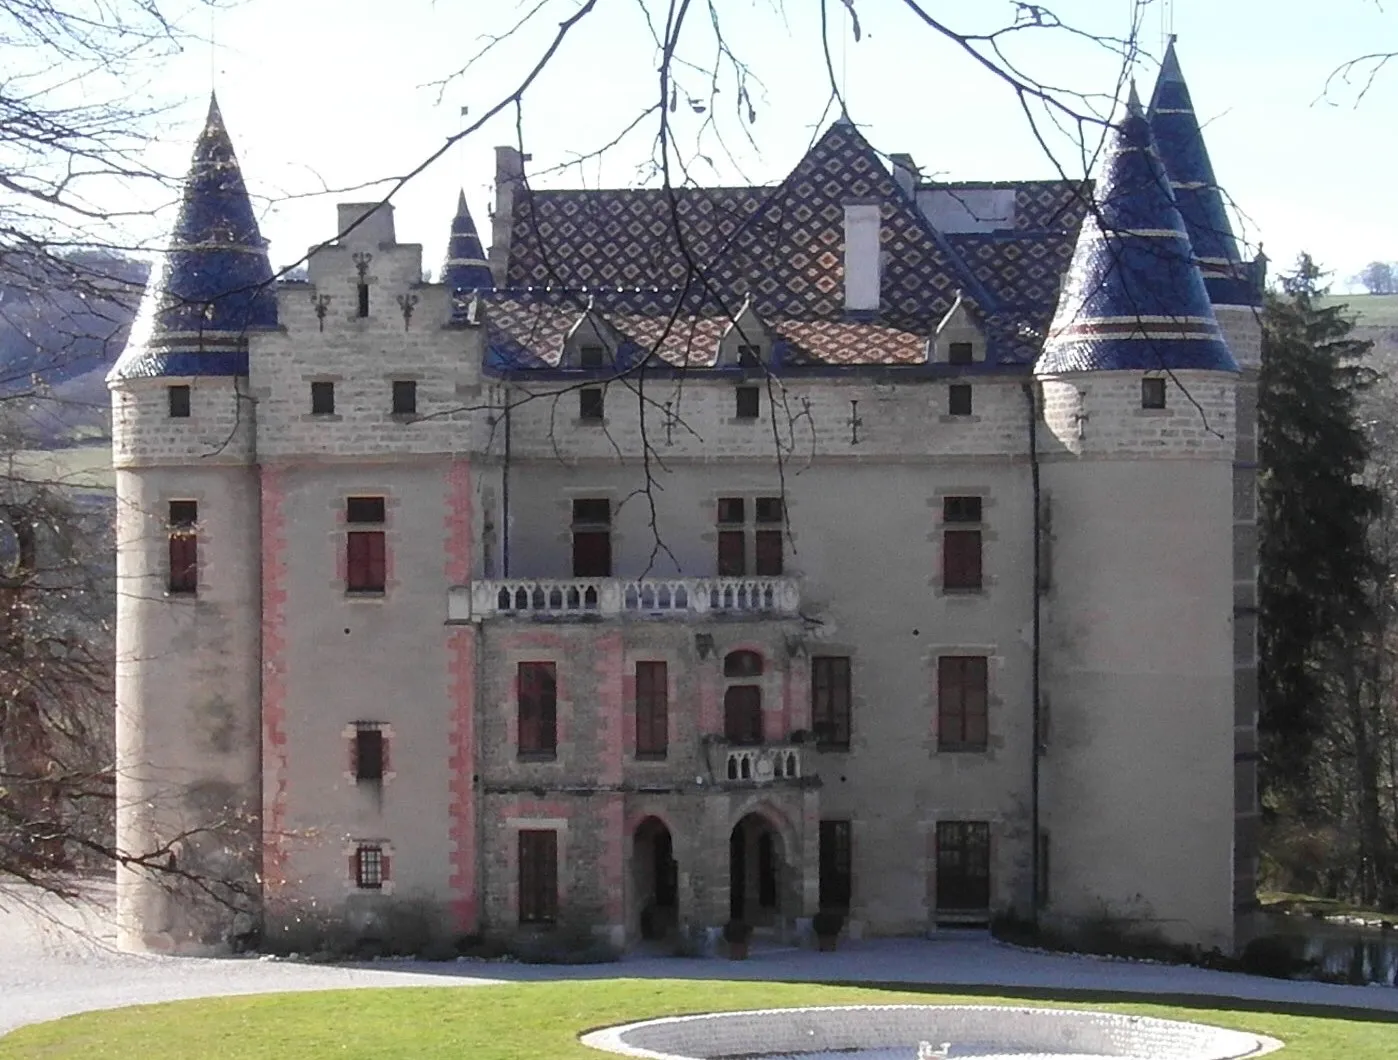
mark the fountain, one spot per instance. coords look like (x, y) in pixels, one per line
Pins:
(907, 1032)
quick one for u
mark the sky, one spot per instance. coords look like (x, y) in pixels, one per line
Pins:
(330, 94)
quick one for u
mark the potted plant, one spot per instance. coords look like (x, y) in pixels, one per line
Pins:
(737, 933)
(827, 926)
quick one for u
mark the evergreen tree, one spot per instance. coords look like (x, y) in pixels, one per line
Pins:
(1314, 510)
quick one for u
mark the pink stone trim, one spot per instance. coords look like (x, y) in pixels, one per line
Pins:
(275, 770)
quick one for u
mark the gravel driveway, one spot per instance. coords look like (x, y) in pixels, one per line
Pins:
(59, 959)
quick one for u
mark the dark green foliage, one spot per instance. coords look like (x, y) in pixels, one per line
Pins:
(1271, 955)
(1314, 562)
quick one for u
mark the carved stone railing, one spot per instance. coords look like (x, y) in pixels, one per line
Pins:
(617, 597)
(760, 765)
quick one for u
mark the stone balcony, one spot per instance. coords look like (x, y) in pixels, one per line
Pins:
(623, 598)
(767, 764)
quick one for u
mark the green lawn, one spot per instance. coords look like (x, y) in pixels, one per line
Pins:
(1371, 310)
(1309, 905)
(542, 1021)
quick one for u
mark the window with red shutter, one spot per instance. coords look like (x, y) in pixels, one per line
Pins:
(369, 868)
(652, 713)
(538, 876)
(592, 538)
(538, 709)
(184, 548)
(961, 544)
(366, 558)
(830, 701)
(962, 703)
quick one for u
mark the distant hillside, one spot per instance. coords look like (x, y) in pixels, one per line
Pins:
(63, 323)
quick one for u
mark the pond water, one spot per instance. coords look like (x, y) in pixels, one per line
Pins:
(1354, 952)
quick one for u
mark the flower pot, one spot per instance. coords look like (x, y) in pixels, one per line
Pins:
(826, 943)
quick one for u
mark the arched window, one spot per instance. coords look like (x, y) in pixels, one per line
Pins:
(742, 664)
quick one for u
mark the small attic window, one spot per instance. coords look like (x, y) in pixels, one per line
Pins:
(960, 353)
(592, 356)
(179, 401)
(1153, 392)
(749, 356)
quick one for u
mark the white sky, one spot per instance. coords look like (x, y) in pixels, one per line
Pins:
(336, 92)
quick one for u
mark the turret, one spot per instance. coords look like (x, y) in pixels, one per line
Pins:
(1235, 288)
(466, 268)
(188, 585)
(1138, 401)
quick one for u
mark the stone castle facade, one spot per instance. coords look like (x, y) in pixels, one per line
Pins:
(862, 543)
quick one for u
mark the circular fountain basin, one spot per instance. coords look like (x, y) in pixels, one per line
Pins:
(925, 1032)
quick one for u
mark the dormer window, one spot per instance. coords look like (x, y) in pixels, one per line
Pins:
(959, 338)
(592, 356)
(746, 342)
(749, 356)
(960, 353)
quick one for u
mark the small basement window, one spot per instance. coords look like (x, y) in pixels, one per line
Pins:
(179, 401)
(404, 397)
(590, 404)
(1153, 392)
(749, 402)
(322, 399)
(959, 399)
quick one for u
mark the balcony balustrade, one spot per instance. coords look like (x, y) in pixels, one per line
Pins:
(622, 597)
(761, 765)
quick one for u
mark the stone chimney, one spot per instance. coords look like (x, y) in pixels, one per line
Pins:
(375, 228)
(509, 180)
(863, 256)
(905, 173)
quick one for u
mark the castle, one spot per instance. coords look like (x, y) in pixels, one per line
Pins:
(861, 543)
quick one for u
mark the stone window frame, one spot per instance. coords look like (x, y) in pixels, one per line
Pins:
(517, 714)
(937, 538)
(835, 745)
(990, 821)
(586, 396)
(634, 720)
(750, 528)
(994, 700)
(343, 527)
(181, 532)
(351, 851)
(557, 825)
(350, 735)
(179, 398)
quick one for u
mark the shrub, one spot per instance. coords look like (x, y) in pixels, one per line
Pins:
(1270, 955)
(569, 947)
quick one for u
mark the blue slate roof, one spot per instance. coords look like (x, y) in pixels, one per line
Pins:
(1134, 298)
(466, 268)
(215, 281)
(1201, 204)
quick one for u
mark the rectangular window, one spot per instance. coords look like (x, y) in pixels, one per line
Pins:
(591, 356)
(836, 866)
(590, 405)
(369, 874)
(749, 402)
(959, 353)
(768, 544)
(961, 547)
(750, 356)
(732, 537)
(404, 397)
(368, 753)
(179, 401)
(363, 306)
(322, 399)
(184, 547)
(830, 701)
(366, 558)
(1153, 392)
(537, 694)
(538, 876)
(592, 537)
(963, 866)
(959, 399)
(652, 710)
(962, 702)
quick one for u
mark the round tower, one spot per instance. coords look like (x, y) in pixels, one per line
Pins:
(1137, 388)
(1235, 289)
(188, 768)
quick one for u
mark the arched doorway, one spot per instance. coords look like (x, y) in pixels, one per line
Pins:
(656, 878)
(757, 866)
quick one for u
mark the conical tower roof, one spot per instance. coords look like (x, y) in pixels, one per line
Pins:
(1181, 145)
(215, 282)
(467, 268)
(1133, 298)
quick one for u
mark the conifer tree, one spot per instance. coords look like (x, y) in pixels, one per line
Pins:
(1314, 511)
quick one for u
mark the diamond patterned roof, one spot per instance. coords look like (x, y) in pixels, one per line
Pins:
(466, 267)
(214, 282)
(702, 251)
(1134, 298)
(1181, 145)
